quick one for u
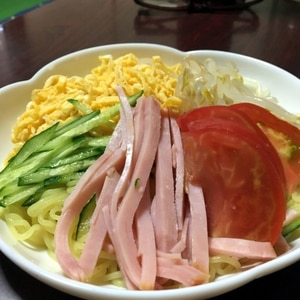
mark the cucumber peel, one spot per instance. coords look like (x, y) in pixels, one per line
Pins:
(57, 155)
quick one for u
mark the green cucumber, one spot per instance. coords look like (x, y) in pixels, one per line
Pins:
(20, 196)
(291, 227)
(85, 216)
(79, 155)
(57, 156)
(31, 146)
(80, 106)
(74, 124)
(44, 173)
(33, 163)
(59, 180)
(98, 142)
(50, 183)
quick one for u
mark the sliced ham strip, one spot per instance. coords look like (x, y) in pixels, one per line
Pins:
(109, 225)
(163, 208)
(169, 255)
(181, 245)
(241, 248)
(90, 183)
(178, 164)
(117, 140)
(146, 243)
(198, 229)
(158, 232)
(127, 139)
(123, 235)
(281, 246)
(180, 272)
(98, 231)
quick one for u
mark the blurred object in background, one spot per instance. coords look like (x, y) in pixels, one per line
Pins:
(165, 4)
(10, 9)
(197, 5)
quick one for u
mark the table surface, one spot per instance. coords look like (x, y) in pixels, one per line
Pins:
(270, 31)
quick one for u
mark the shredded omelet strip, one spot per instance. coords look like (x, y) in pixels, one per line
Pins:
(97, 91)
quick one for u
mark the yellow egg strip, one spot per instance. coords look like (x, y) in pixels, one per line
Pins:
(97, 91)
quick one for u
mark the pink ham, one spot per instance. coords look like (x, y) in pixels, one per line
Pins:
(110, 228)
(127, 137)
(241, 248)
(180, 271)
(163, 207)
(123, 235)
(198, 229)
(156, 228)
(98, 231)
(90, 183)
(182, 246)
(178, 165)
(281, 246)
(146, 242)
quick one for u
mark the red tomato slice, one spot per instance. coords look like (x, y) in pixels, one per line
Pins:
(263, 116)
(243, 192)
(221, 116)
(243, 188)
(284, 136)
(194, 118)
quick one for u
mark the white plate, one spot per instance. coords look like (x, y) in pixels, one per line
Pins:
(13, 100)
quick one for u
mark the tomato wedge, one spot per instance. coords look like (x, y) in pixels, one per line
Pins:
(284, 136)
(241, 175)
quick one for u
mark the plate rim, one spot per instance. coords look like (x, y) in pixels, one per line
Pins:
(73, 54)
(55, 280)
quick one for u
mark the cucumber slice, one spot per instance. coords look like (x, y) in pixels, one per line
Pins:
(57, 156)
(21, 196)
(31, 146)
(50, 183)
(42, 174)
(79, 155)
(81, 107)
(288, 229)
(85, 216)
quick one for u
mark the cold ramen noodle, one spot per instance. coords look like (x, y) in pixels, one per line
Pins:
(153, 176)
